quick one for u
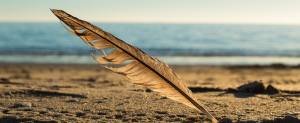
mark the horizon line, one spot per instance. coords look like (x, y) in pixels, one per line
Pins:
(224, 23)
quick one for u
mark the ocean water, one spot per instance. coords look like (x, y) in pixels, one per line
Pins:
(209, 44)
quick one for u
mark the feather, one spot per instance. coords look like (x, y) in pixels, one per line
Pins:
(144, 70)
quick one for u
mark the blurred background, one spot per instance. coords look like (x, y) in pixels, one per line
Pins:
(193, 32)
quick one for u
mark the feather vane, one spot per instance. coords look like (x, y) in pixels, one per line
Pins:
(144, 70)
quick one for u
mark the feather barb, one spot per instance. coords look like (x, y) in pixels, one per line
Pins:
(144, 70)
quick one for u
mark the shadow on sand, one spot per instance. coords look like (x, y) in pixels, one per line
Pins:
(286, 119)
(12, 119)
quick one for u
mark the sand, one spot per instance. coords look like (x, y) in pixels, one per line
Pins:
(90, 93)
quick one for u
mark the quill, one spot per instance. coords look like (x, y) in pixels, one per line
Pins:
(144, 70)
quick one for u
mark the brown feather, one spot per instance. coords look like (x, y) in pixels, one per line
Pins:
(144, 70)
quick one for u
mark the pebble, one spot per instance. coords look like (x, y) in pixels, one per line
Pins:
(290, 113)
(271, 89)
(253, 87)
(25, 104)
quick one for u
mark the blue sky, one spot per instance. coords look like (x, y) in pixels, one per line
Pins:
(156, 11)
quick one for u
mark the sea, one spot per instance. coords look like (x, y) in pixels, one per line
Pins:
(175, 44)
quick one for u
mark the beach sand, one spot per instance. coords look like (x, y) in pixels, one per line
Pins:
(91, 93)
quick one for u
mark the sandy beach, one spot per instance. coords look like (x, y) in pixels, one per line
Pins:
(91, 93)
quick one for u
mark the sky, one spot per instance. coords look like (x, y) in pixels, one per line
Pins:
(156, 11)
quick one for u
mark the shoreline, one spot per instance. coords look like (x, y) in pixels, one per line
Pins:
(170, 60)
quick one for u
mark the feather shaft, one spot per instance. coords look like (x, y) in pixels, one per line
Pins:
(161, 75)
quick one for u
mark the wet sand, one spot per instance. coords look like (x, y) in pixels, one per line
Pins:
(91, 93)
